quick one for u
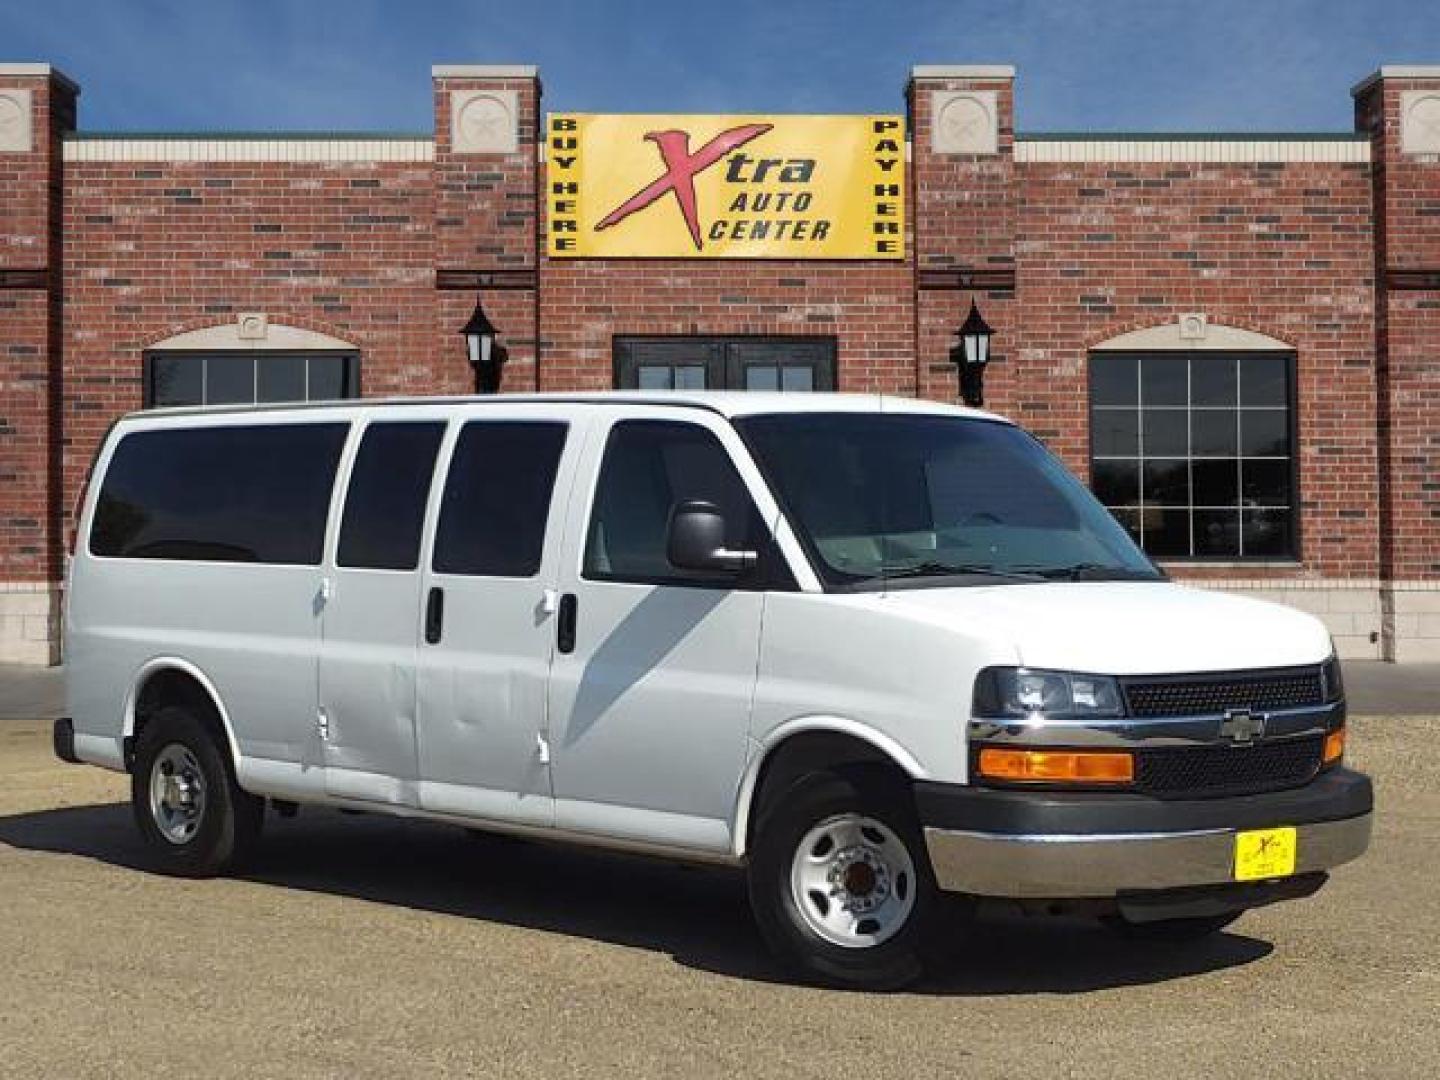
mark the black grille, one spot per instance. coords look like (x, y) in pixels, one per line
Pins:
(1187, 772)
(1262, 691)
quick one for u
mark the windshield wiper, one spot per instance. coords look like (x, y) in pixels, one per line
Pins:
(941, 569)
(1089, 571)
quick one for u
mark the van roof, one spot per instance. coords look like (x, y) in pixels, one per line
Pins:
(727, 403)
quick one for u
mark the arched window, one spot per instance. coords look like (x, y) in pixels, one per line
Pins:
(1192, 444)
(216, 366)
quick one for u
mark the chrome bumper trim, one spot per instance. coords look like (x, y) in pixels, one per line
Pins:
(1076, 866)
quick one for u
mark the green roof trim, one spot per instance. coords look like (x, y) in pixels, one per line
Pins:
(1191, 136)
(250, 136)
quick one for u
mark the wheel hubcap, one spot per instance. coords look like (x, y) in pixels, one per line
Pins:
(177, 793)
(853, 881)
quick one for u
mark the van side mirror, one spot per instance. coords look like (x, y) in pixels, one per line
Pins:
(695, 540)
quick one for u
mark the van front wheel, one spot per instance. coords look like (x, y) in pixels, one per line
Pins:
(840, 883)
(195, 818)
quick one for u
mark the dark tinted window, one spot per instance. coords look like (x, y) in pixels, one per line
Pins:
(497, 498)
(385, 504)
(649, 467)
(1187, 447)
(234, 494)
(231, 378)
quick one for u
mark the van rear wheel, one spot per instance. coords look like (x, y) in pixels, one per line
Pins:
(840, 883)
(196, 820)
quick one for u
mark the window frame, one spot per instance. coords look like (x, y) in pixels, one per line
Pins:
(147, 373)
(1295, 556)
(771, 573)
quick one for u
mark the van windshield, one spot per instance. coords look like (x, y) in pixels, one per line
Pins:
(906, 500)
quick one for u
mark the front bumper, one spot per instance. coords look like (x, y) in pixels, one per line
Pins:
(1047, 845)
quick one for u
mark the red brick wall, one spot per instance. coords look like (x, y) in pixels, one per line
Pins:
(31, 241)
(1408, 310)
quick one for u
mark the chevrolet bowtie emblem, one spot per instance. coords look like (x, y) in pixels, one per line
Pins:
(681, 168)
(1242, 726)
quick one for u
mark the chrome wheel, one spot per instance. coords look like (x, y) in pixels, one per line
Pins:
(853, 881)
(177, 793)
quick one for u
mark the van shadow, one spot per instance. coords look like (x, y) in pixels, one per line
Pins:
(697, 915)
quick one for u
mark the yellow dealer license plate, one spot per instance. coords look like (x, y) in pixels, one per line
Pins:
(1265, 853)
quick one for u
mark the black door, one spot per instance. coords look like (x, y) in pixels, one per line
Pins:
(708, 363)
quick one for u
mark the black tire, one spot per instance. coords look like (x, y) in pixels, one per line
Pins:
(783, 825)
(1170, 931)
(227, 827)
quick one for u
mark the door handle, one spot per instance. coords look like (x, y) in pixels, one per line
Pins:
(434, 615)
(565, 625)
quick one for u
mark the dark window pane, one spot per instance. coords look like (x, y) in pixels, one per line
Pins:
(649, 467)
(797, 379)
(281, 378)
(333, 378)
(1217, 533)
(232, 494)
(653, 377)
(1267, 532)
(389, 486)
(229, 380)
(1212, 381)
(690, 377)
(1116, 483)
(762, 378)
(1264, 433)
(1113, 380)
(1162, 380)
(1213, 432)
(1167, 532)
(1129, 517)
(1115, 433)
(1264, 380)
(1216, 482)
(1167, 483)
(176, 380)
(497, 499)
(1266, 483)
(1164, 432)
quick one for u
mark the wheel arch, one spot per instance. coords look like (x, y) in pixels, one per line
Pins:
(170, 679)
(804, 744)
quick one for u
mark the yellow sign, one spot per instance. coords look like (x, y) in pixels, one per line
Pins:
(726, 187)
(1265, 853)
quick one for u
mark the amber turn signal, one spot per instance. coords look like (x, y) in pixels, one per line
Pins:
(1057, 766)
(1334, 746)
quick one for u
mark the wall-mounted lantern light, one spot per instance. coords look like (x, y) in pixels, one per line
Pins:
(970, 355)
(486, 355)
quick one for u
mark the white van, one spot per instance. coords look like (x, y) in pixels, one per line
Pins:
(889, 656)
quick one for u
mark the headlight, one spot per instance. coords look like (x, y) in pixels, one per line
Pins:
(1021, 692)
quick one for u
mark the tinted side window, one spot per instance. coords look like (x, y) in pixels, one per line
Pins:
(649, 467)
(389, 486)
(497, 498)
(232, 494)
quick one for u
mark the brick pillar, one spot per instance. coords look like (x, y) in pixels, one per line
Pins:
(963, 200)
(37, 105)
(487, 122)
(1400, 108)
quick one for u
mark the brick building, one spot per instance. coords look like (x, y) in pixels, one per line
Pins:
(1234, 337)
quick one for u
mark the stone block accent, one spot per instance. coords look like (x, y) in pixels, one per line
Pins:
(1351, 610)
(29, 623)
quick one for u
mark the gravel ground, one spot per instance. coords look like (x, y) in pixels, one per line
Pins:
(367, 947)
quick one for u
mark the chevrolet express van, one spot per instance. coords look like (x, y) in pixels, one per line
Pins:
(888, 656)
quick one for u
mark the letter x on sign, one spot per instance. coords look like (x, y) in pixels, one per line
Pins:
(681, 168)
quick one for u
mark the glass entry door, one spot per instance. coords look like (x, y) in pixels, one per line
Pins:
(708, 363)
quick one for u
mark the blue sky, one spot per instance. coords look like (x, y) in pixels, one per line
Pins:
(1255, 65)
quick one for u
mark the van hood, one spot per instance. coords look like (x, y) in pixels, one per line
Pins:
(1124, 628)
